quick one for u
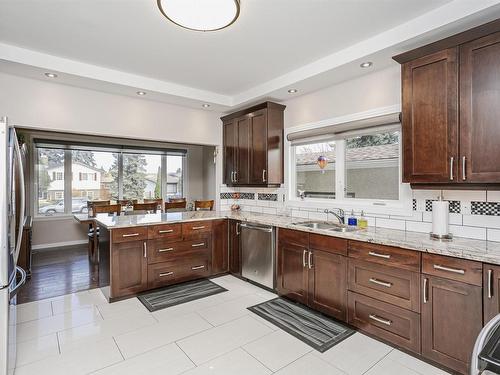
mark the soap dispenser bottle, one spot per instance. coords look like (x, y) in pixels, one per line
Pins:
(362, 222)
(352, 221)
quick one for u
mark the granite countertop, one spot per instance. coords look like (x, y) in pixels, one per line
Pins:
(484, 251)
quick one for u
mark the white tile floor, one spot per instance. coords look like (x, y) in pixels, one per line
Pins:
(82, 334)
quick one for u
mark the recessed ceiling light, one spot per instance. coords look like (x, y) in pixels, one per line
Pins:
(366, 64)
(205, 105)
(292, 91)
(140, 93)
(207, 15)
(51, 75)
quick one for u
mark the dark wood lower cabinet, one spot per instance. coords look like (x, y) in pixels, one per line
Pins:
(328, 283)
(292, 273)
(220, 252)
(491, 289)
(129, 263)
(234, 248)
(452, 316)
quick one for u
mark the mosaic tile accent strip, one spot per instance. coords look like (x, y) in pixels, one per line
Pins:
(226, 195)
(267, 197)
(485, 208)
(414, 204)
(247, 195)
(250, 196)
(455, 207)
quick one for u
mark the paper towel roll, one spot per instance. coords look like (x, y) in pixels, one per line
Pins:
(440, 217)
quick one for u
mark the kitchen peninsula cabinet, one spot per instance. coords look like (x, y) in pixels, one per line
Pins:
(253, 146)
(450, 91)
(130, 268)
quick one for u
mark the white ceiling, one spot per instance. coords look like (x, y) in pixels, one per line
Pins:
(274, 45)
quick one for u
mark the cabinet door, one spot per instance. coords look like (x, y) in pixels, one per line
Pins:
(130, 268)
(480, 110)
(243, 151)
(491, 288)
(220, 253)
(451, 320)
(292, 272)
(234, 248)
(230, 151)
(258, 148)
(430, 118)
(328, 283)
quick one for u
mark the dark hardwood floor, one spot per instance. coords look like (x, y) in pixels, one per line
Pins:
(58, 272)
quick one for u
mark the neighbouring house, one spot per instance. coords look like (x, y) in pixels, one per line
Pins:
(86, 182)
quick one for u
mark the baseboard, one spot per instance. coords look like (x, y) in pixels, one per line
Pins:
(49, 246)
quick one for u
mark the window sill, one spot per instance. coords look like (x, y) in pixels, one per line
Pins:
(53, 217)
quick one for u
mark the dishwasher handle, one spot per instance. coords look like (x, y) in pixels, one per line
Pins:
(264, 229)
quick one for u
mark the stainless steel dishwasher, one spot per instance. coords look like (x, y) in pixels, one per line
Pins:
(258, 253)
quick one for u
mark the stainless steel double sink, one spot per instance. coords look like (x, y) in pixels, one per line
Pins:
(325, 225)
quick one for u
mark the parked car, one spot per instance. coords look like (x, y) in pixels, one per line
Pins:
(78, 205)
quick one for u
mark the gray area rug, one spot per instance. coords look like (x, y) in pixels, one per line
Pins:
(180, 293)
(311, 327)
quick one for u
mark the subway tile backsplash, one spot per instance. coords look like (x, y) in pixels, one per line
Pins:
(473, 214)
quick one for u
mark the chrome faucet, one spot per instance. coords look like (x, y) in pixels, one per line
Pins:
(340, 216)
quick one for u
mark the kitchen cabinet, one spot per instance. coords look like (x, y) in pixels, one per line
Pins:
(451, 320)
(480, 110)
(253, 146)
(129, 263)
(293, 272)
(234, 248)
(220, 253)
(491, 290)
(451, 91)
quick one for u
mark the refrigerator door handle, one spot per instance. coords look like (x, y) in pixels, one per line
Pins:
(23, 197)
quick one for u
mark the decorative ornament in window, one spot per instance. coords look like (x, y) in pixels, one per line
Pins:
(322, 163)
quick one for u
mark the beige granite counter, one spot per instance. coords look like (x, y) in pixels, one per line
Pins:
(484, 251)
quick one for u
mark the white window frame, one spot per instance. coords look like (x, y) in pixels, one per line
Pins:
(402, 206)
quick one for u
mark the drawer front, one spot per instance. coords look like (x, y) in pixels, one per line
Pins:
(196, 228)
(163, 250)
(394, 324)
(466, 271)
(388, 284)
(386, 255)
(172, 232)
(293, 237)
(161, 274)
(328, 244)
(196, 267)
(129, 234)
(203, 243)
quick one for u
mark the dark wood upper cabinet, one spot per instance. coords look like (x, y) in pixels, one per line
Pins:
(480, 110)
(253, 146)
(451, 91)
(430, 118)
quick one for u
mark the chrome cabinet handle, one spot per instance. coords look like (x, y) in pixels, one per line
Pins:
(378, 255)
(451, 168)
(232, 176)
(130, 235)
(426, 297)
(165, 250)
(145, 250)
(449, 269)
(490, 284)
(165, 231)
(304, 263)
(166, 274)
(197, 267)
(382, 283)
(235, 176)
(464, 175)
(197, 228)
(387, 322)
(309, 259)
(238, 229)
(198, 244)
(263, 175)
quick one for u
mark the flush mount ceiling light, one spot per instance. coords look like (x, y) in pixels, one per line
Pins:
(366, 64)
(51, 75)
(205, 105)
(200, 15)
(140, 93)
(292, 91)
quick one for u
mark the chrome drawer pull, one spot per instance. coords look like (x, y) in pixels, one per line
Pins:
(490, 286)
(196, 228)
(374, 254)
(166, 274)
(382, 283)
(165, 231)
(197, 267)
(130, 235)
(165, 250)
(387, 322)
(448, 269)
(198, 244)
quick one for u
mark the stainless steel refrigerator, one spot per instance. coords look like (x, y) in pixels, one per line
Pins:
(12, 277)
